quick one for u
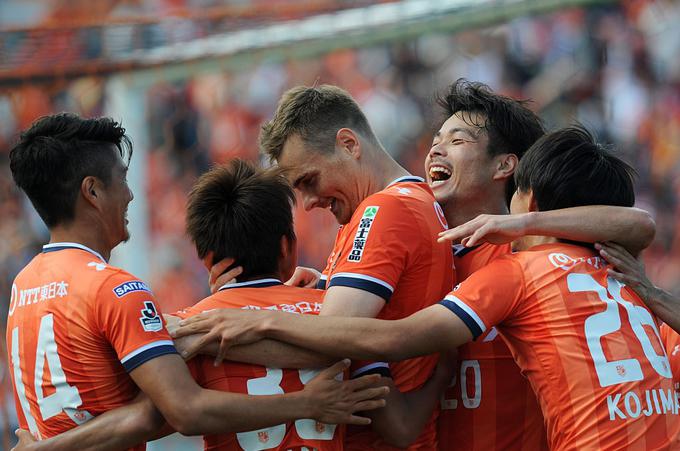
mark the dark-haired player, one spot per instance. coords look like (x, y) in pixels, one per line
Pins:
(470, 168)
(588, 345)
(83, 335)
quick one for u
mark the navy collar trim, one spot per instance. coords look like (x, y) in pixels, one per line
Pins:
(407, 178)
(460, 251)
(54, 247)
(258, 283)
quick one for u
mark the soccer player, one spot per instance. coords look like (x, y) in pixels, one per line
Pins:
(470, 168)
(385, 262)
(588, 345)
(83, 336)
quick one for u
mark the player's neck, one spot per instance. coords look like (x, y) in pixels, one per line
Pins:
(383, 170)
(89, 237)
(250, 278)
(458, 213)
(528, 242)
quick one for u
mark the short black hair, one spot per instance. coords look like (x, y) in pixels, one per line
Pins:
(568, 168)
(240, 211)
(51, 159)
(510, 125)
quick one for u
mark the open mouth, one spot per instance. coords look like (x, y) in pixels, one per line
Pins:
(439, 173)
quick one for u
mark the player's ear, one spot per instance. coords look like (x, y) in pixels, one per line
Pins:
(90, 189)
(505, 166)
(533, 205)
(347, 141)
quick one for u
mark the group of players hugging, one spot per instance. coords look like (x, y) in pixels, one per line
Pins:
(496, 305)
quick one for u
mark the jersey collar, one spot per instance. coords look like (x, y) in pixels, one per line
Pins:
(407, 178)
(257, 283)
(460, 251)
(53, 247)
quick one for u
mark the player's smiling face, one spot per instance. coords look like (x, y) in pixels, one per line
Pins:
(458, 166)
(324, 180)
(116, 197)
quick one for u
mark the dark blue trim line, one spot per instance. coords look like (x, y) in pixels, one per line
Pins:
(410, 179)
(321, 284)
(381, 370)
(147, 355)
(463, 252)
(254, 285)
(362, 284)
(462, 314)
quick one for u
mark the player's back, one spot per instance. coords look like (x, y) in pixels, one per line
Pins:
(305, 434)
(591, 351)
(490, 404)
(76, 326)
(390, 248)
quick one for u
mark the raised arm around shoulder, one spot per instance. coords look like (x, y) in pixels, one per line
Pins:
(269, 353)
(632, 228)
(427, 331)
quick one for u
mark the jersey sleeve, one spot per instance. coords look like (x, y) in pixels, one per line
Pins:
(129, 319)
(488, 297)
(376, 254)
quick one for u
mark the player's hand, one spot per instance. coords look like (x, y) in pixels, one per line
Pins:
(228, 327)
(629, 269)
(219, 276)
(25, 440)
(494, 229)
(335, 401)
(304, 277)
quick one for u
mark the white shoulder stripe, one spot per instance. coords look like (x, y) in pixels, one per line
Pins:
(363, 277)
(146, 347)
(467, 310)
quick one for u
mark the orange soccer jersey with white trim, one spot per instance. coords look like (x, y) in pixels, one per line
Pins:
(76, 327)
(490, 405)
(588, 345)
(301, 435)
(389, 248)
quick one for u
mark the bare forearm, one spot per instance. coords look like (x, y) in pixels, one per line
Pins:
(117, 429)
(666, 307)
(425, 332)
(273, 353)
(633, 228)
(219, 412)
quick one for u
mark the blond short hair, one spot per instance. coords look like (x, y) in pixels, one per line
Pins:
(315, 114)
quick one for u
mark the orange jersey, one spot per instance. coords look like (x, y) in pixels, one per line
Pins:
(389, 248)
(257, 380)
(671, 342)
(490, 404)
(76, 327)
(588, 345)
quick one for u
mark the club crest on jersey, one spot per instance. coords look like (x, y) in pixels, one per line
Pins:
(361, 236)
(130, 287)
(151, 321)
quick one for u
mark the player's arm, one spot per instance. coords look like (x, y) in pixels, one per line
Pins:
(402, 423)
(430, 330)
(116, 429)
(266, 352)
(631, 271)
(633, 228)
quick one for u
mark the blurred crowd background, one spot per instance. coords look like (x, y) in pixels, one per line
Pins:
(614, 68)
